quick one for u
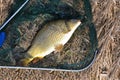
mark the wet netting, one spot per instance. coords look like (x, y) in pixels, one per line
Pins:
(77, 54)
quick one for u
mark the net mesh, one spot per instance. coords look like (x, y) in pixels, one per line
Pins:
(77, 53)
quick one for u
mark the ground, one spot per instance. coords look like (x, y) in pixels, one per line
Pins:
(106, 17)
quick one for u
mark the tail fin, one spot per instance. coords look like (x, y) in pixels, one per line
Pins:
(25, 61)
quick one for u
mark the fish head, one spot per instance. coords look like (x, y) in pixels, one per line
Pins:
(73, 23)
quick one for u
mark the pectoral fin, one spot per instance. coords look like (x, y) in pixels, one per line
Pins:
(58, 47)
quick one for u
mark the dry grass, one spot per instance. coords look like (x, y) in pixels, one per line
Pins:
(4, 7)
(106, 15)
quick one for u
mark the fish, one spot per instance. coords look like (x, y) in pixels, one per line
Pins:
(52, 37)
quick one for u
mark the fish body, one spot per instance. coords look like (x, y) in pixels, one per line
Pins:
(52, 37)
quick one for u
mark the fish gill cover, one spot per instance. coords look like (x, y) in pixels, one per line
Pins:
(22, 29)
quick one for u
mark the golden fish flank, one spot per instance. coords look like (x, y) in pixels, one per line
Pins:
(51, 38)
